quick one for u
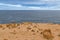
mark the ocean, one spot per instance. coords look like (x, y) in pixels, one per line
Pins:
(42, 16)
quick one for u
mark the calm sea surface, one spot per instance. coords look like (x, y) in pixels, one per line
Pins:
(8, 16)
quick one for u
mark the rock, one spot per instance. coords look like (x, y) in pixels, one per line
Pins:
(47, 34)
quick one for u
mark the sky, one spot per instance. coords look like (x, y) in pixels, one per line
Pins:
(29, 4)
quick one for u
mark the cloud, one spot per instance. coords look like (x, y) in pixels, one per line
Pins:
(47, 3)
(31, 5)
(3, 4)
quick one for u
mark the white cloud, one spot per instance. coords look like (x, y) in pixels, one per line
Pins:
(3, 4)
(34, 7)
(51, 5)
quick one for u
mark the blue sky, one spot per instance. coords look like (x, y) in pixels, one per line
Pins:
(29, 4)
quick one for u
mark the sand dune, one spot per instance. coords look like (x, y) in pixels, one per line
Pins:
(30, 31)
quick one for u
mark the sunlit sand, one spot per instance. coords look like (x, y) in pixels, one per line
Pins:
(30, 31)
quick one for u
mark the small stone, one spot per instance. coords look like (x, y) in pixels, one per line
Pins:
(33, 34)
(14, 32)
(37, 31)
(35, 26)
(47, 34)
(59, 35)
(5, 39)
(1, 26)
(28, 28)
(33, 30)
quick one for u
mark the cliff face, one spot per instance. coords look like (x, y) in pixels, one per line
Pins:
(30, 31)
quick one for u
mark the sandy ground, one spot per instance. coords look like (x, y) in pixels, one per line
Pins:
(30, 31)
